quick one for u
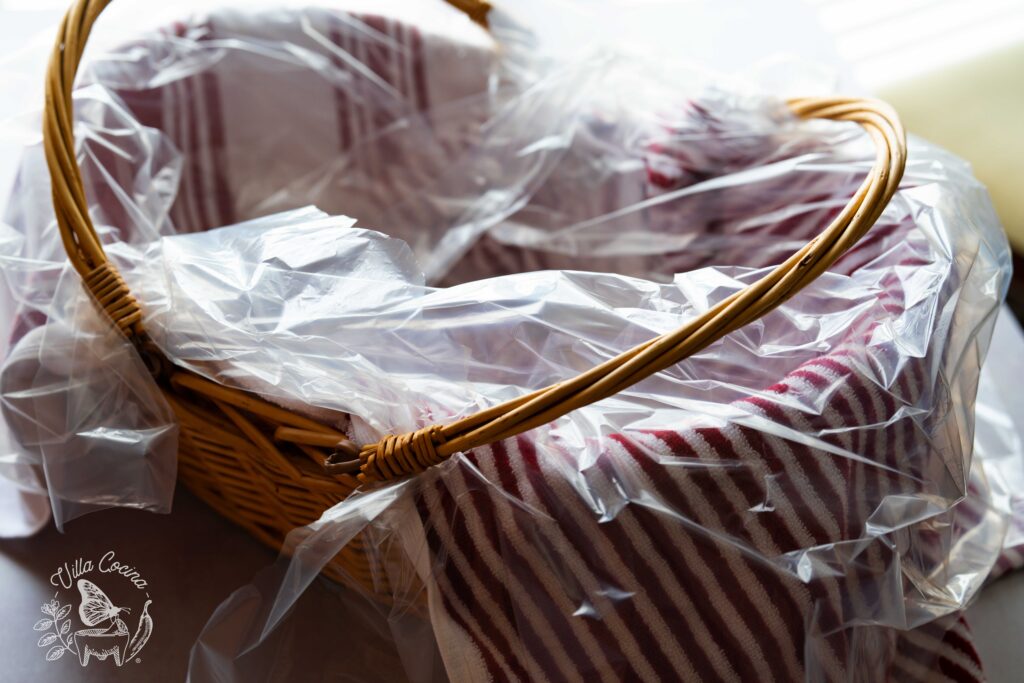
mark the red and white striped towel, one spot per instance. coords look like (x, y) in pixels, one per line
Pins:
(733, 548)
(712, 551)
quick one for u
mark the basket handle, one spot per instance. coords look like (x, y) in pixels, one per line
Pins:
(397, 456)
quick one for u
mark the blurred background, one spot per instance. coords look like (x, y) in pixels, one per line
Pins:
(954, 69)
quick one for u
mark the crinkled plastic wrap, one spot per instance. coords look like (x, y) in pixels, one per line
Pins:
(796, 502)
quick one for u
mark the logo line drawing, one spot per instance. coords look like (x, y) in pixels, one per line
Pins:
(105, 634)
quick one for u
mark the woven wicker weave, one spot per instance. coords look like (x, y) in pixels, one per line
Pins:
(272, 470)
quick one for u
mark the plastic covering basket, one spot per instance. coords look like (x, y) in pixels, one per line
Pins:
(736, 550)
(228, 451)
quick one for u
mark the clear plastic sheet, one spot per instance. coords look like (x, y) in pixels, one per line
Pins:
(797, 502)
(999, 438)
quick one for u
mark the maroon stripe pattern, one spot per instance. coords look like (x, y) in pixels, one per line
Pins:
(721, 550)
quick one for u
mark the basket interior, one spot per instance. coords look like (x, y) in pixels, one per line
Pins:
(393, 125)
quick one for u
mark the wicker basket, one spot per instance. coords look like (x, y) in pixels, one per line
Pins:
(271, 469)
